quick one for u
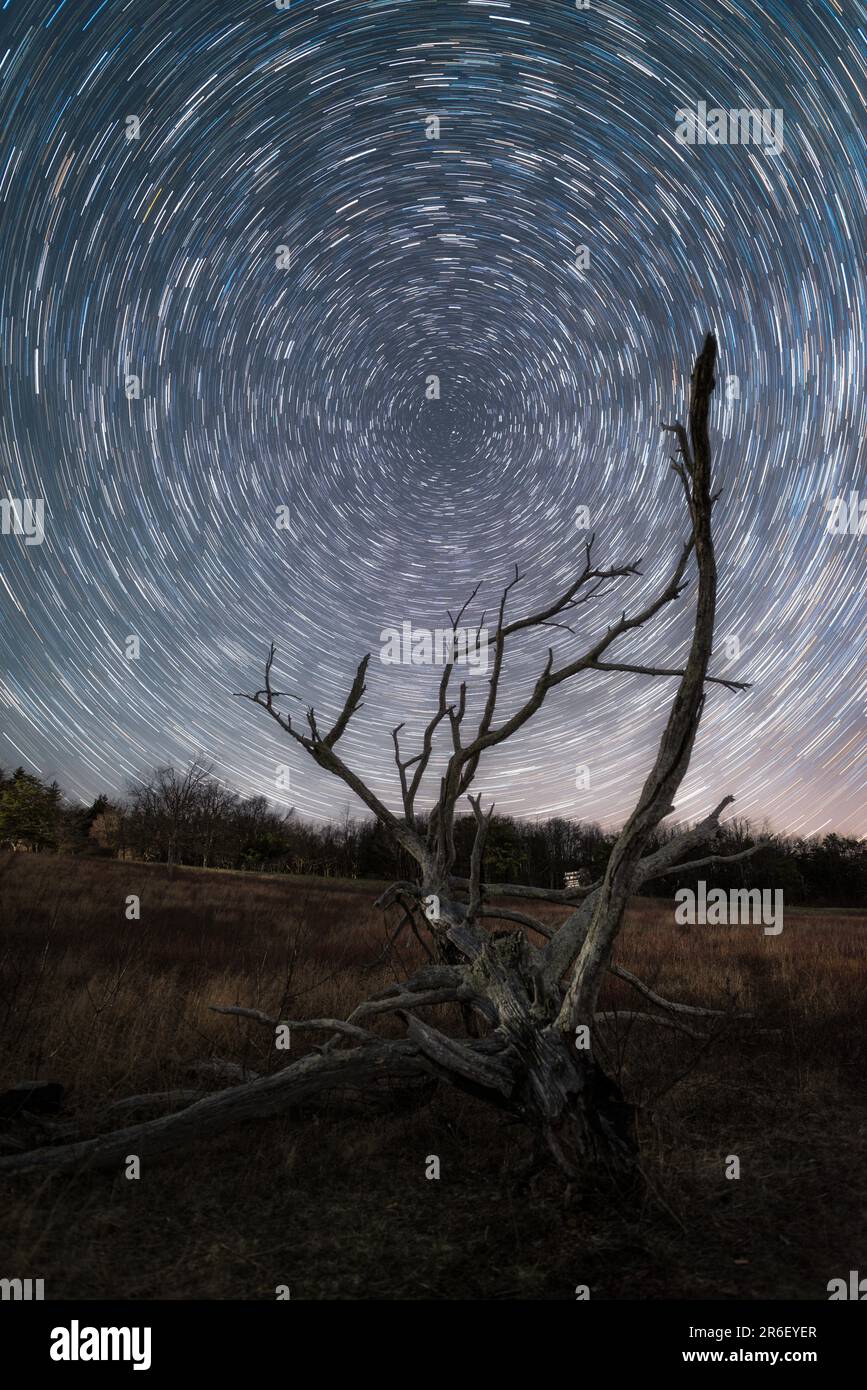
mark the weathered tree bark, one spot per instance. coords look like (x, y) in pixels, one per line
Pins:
(530, 1012)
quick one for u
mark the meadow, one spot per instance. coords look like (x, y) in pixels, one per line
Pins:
(332, 1199)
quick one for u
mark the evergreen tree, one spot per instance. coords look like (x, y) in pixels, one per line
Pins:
(29, 812)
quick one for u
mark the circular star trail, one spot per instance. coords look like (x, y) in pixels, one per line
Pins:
(235, 255)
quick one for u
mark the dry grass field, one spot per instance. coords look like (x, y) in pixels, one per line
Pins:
(333, 1200)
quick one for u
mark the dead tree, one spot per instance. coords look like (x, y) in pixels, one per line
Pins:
(528, 993)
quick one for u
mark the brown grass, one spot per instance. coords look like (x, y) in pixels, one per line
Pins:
(333, 1200)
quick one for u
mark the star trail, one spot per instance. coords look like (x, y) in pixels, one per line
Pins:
(236, 251)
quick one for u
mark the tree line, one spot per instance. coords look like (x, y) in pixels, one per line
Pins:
(188, 816)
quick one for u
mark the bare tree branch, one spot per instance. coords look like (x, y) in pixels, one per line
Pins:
(664, 671)
(565, 896)
(669, 1004)
(315, 1025)
(615, 1016)
(677, 741)
(692, 864)
(483, 823)
(656, 864)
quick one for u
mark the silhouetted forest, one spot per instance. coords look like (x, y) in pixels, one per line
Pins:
(190, 817)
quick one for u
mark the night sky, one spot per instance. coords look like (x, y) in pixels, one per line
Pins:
(303, 385)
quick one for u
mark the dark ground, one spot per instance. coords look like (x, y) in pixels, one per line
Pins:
(333, 1200)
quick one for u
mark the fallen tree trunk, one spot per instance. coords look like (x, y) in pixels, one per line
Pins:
(254, 1100)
